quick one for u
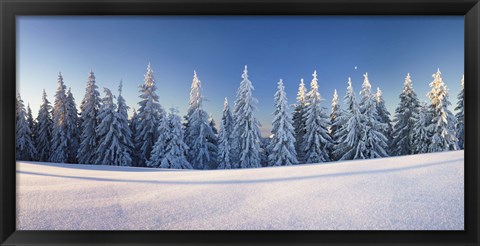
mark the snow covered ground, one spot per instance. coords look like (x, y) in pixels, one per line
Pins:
(420, 192)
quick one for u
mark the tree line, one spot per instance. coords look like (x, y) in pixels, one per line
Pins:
(102, 133)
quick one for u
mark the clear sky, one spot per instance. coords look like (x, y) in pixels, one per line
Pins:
(218, 47)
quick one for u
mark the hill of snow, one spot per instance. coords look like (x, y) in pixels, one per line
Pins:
(419, 192)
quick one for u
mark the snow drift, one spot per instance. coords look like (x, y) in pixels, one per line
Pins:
(419, 192)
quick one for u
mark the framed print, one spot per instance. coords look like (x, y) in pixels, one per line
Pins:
(273, 122)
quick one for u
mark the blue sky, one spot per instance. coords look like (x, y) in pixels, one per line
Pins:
(218, 47)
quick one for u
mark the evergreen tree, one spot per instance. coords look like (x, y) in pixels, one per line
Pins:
(73, 133)
(44, 129)
(402, 143)
(175, 151)
(350, 126)
(159, 149)
(89, 109)
(282, 145)
(421, 136)
(59, 150)
(149, 116)
(246, 127)
(443, 122)
(32, 125)
(335, 125)
(133, 122)
(299, 121)
(373, 143)
(24, 147)
(193, 103)
(213, 139)
(225, 138)
(461, 116)
(384, 118)
(125, 137)
(317, 141)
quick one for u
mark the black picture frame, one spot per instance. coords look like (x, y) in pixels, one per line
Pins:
(9, 9)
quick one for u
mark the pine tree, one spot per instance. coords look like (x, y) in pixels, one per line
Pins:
(24, 147)
(200, 136)
(350, 125)
(373, 143)
(225, 138)
(461, 116)
(213, 139)
(299, 121)
(125, 137)
(89, 109)
(403, 127)
(443, 122)
(384, 118)
(44, 129)
(335, 125)
(160, 146)
(421, 135)
(33, 127)
(246, 127)
(73, 133)
(282, 145)
(133, 122)
(175, 151)
(59, 150)
(317, 141)
(149, 116)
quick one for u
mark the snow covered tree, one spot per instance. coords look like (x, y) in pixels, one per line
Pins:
(421, 135)
(32, 125)
(125, 137)
(73, 123)
(200, 137)
(461, 116)
(149, 116)
(373, 143)
(246, 127)
(24, 146)
(316, 141)
(335, 124)
(133, 122)
(350, 128)
(44, 129)
(175, 150)
(403, 127)
(213, 139)
(89, 109)
(160, 146)
(225, 138)
(59, 150)
(299, 121)
(384, 118)
(282, 145)
(443, 122)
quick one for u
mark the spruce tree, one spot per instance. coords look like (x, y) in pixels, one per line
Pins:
(44, 130)
(160, 146)
(335, 125)
(349, 133)
(149, 116)
(133, 122)
(73, 123)
(125, 137)
(175, 150)
(193, 104)
(373, 143)
(213, 139)
(32, 125)
(384, 118)
(403, 121)
(246, 126)
(225, 138)
(443, 122)
(317, 141)
(421, 135)
(461, 116)
(59, 150)
(89, 109)
(282, 146)
(299, 121)
(24, 146)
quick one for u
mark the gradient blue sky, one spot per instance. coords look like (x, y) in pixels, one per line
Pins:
(218, 47)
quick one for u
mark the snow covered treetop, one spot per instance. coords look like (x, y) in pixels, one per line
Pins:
(366, 83)
(149, 80)
(245, 73)
(379, 95)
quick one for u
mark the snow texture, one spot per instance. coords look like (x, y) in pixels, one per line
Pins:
(417, 192)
